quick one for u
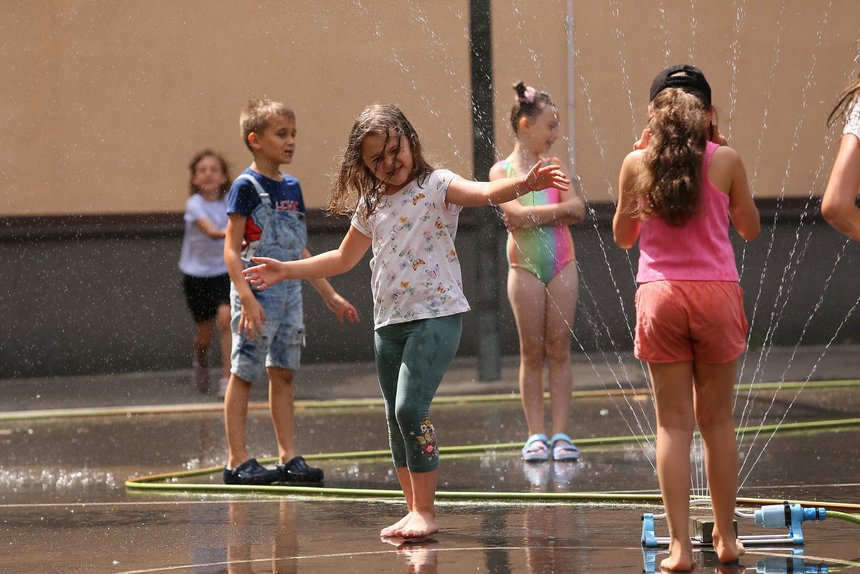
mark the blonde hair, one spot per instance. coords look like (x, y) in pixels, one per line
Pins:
(256, 115)
(669, 186)
(355, 181)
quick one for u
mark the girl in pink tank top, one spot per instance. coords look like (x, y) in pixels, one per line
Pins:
(677, 192)
(675, 252)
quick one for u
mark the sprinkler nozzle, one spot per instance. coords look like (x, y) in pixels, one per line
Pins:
(789, 516)
(783, 515)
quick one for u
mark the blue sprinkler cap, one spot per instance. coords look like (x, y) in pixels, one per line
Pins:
(774, 516)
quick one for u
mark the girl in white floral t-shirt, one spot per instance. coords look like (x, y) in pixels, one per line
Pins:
(406, 213)
(839, 205)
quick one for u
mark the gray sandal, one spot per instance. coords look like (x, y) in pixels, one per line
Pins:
(562, 451)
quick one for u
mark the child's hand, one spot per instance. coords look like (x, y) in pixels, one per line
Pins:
(514, 221)
(266, 274)
(342, 308)
(717, 137)
(253, 318)
(644, 140)
(545, 176)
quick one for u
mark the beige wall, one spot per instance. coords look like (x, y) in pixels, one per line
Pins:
(103, 103)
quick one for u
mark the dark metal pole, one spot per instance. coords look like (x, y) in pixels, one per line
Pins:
(486, 250)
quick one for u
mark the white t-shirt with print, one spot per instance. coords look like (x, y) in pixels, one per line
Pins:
(415, 272)
(852, 126)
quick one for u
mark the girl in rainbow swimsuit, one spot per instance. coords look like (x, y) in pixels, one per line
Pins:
(543, 281)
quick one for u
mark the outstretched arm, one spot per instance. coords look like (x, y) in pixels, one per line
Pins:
(838, 206)
(626, 223)
(334, 262)
(476, 193)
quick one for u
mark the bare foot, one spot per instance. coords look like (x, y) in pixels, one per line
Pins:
(392, 530)
(680, 558)
(419, 525)
(728, 551)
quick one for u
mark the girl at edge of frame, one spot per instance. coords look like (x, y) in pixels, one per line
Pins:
(677, 192)
(204, 276)
(543, 282)
(839, 205)
(406, 212)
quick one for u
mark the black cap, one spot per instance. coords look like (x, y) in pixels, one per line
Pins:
(684, 76)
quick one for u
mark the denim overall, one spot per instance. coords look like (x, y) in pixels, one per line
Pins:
(284, 238)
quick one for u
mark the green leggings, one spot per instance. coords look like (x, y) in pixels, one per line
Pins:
(411, 359)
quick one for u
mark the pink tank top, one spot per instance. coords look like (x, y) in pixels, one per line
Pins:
(699, 250)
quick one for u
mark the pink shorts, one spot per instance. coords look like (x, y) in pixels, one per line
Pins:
(681, 321)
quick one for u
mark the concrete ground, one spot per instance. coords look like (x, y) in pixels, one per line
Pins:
(64, 505)
(332, 381)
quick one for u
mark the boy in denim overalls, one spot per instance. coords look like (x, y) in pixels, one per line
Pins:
(267, 218)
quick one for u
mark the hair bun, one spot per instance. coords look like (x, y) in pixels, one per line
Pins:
(525, 94)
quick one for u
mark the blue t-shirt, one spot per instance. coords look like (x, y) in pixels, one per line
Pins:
(243, 199)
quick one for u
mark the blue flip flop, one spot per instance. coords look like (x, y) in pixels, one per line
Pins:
(536, 448)
(563, 451)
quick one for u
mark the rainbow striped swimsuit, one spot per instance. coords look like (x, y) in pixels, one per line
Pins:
(542, 250)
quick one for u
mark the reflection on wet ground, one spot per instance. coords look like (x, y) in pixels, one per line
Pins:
(65, 506)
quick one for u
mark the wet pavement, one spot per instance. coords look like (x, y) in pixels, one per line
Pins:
(65, 506)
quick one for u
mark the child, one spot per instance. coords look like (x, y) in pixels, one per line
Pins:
(266, 216)
(407, 213)
(676, 195)
(542, 281)
(838, 206)
(204, 277)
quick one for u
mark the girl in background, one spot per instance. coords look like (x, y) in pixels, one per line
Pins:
(543, 282)
(406, 212)
(205, 280)
(677, 193)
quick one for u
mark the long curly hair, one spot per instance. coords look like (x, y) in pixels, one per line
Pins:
(355, 181)
(669, 186)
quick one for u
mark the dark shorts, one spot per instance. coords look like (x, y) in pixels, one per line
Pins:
(205, 294)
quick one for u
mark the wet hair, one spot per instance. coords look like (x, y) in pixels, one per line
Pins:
(256, 115)
(192, 169)
(355, 181)
(528, 109)
(669, 186)
(845, 102)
